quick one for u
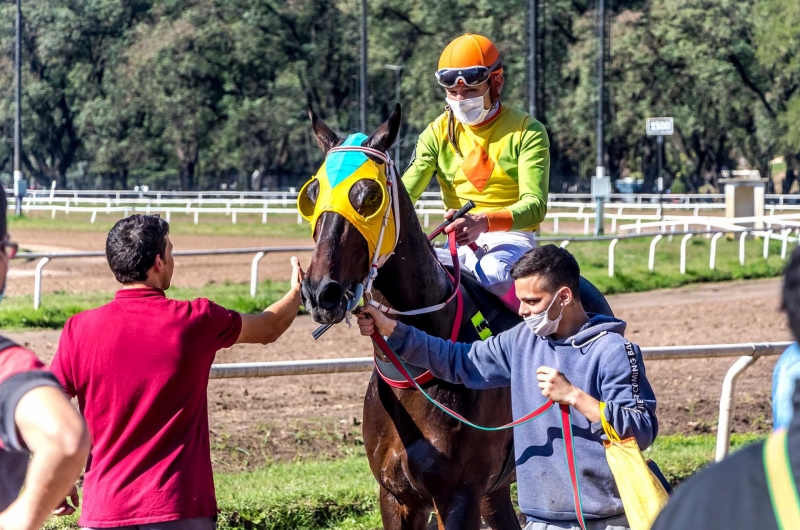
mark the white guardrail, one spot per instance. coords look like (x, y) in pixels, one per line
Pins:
(118, 195)
(290, 191)
(747, 354)
(284, 203)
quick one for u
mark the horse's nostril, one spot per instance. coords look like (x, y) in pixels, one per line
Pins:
(330, 296)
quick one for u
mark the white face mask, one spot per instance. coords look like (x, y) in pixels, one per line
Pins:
(541, 324)
(469, 111)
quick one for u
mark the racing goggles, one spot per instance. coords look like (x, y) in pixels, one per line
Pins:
(472, 76)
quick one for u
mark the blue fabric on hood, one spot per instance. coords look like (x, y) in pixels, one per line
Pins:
(340, 165)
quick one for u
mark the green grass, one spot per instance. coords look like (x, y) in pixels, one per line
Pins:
(632, 275)
(209, 224)
(679, 456)
(16, 312)
(343, 495)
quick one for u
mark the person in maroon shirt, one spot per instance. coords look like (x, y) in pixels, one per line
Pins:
(139, 367)
(35, 417)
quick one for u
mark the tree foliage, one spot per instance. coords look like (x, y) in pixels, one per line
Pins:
(196, 93)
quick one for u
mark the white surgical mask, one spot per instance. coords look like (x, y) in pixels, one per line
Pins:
(541, 324)
(469, 111)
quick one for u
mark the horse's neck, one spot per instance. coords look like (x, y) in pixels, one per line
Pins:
(412, 278)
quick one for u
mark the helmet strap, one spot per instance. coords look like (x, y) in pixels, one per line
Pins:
(494, 93)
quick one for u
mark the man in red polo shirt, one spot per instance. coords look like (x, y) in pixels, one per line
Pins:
(35, 417)
(139, 367)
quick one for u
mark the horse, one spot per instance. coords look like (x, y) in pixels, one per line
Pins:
(423, 460)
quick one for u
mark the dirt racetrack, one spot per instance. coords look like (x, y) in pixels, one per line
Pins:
(260, 420)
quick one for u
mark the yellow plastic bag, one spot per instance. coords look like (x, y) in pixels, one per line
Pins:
(641, 492)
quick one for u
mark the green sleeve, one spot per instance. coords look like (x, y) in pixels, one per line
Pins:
(419, 173)
(533, 177)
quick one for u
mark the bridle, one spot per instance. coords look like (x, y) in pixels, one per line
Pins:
(378, 259)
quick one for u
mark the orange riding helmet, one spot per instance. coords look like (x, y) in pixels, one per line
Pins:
(469, 60)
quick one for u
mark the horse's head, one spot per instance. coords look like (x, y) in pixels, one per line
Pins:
(346, 202)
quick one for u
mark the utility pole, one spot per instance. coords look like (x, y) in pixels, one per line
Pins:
(532, 11)
(601, 181)
(396, 68)
(601, 31)
(19, 183)
(363, 91)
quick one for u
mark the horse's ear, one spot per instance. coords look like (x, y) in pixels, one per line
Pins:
(385, 135)
(326, 138)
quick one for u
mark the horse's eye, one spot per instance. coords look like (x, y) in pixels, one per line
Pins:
(373, 199)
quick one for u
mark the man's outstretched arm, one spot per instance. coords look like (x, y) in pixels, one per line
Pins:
(51, 428)
(268, 326)
(480, 365)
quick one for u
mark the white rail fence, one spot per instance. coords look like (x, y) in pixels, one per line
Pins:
(46, 257)
(747, 354)
(586, 197)
(285, 204)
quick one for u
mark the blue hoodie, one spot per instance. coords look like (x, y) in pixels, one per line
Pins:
(598, 360)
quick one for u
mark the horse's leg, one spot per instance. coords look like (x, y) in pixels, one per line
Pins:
(498, 511)
(460, 510)
(396, 516)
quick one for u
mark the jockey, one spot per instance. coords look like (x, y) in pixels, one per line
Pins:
(483, 151)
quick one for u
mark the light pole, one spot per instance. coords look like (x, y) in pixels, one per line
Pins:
(19, 184)
(363, 94)
(397, 68)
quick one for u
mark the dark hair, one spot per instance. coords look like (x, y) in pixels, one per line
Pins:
(133, 244)
(791, 292)
(555, 265)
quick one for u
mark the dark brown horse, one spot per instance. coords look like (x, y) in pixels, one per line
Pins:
(423, 459)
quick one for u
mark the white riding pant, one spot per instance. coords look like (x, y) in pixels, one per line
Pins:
(491, 265)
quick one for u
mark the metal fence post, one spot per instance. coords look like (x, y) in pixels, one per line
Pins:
(254, 273)
(611, 247)
(766, 243)
(685, 240)
(651, 260)
(726, 404)
(741, 247)
(785, 243)
(37, 283)
(712, 260)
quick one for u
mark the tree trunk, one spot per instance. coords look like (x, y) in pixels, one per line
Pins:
(187, 175)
